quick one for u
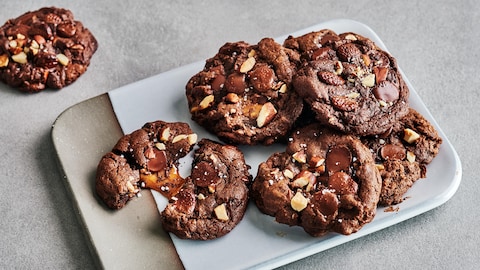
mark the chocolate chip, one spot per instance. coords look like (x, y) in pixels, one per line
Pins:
(386, 91)
(66, 29)
(323, 52)
(218, 82)
(262, 78)
(17, 29)
(327, 202)
(380, 59)
(328, 38)
(46, 60)
(236, 83)
(204, 174)
(185, 201)
(393, 152)
(42, 29)
(342, 183)
(338, 159)
(158, 162)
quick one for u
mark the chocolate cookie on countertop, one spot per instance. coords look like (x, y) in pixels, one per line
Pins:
(244, 93)
(402, 154)
(214, 198)
(325, 181)
(44, 48)
(350, 83)
(146, 158)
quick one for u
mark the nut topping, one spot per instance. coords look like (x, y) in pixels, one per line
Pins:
(39, 39)
(283, 88)
(369, 80)
(351, 37)
(160, 146)
(20, 58)
(3, 60)
(410, 136)
(221, 212)
(300, 156)
(232, 98)
(322, 52)
(192, 138)
(380, 74)
(393, 151)
(288, 173)
(352, 95)
(330, 78)
(66, 29)
(380, 167)
(299, 202)
(366, 60)
(62, 59)
(338, 67)
(205, 103)
(344, 103)
(165, 134)
(316, 162)
(267, 113)
(131, 188)
(303, 179)
(411, 156)
(247, 65)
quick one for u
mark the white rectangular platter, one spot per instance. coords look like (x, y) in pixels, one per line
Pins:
(258, 242)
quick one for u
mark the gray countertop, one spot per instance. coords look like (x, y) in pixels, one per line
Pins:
(435, 44)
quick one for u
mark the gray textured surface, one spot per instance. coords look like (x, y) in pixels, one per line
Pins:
(435, 44)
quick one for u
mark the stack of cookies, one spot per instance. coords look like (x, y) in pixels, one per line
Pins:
(336, 101)
(341, 106)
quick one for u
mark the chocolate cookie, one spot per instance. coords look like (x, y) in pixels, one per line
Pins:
(44, 48)
(214, 198)
(402, 154)
(244, 93)
(324, 181)
(350, 83)
(145, 158)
